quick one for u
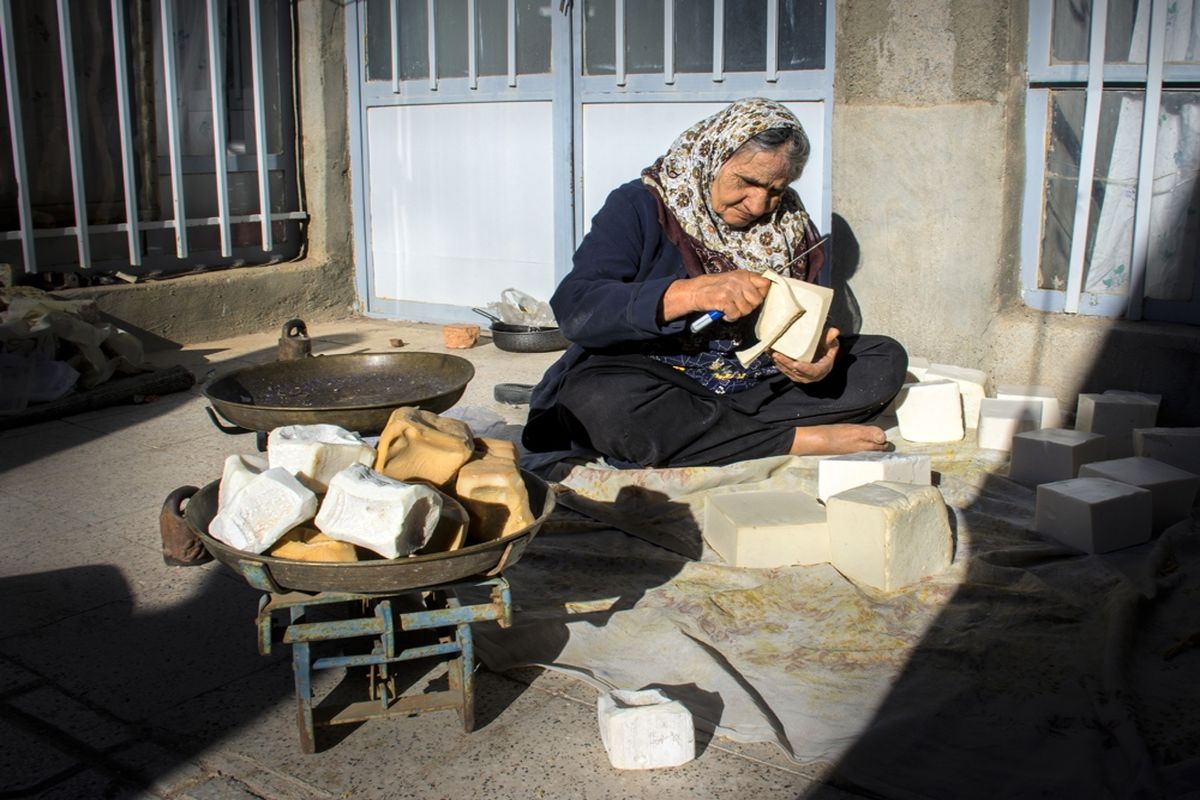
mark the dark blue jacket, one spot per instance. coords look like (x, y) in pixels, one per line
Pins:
(608, 303)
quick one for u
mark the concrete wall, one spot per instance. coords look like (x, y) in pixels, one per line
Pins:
(320, 286)
(928, 170)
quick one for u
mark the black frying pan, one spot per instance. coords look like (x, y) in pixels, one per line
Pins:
(523, 338)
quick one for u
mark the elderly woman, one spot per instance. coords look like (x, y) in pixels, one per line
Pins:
(693, 235)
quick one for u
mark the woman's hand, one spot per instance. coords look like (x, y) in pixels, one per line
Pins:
(735, 294)
(811, 371)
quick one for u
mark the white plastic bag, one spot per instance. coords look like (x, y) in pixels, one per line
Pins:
(517, 308)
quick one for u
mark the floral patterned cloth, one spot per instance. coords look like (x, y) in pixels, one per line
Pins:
(681, 180)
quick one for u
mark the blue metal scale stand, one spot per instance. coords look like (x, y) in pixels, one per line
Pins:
(282, 618)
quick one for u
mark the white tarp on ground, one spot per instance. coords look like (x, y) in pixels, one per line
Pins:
(1023, 669)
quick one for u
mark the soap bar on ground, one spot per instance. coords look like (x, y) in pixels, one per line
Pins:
(1053, 454)
(1051, 410)
(1172, 490)
(766, 529)
(839, 473)
(269, 506)
(422, 446)
(972, 384)
(930, 411)
(315, 453)
(1115, 415)
(888, 535)
(386, 516)
(1094, 515)
(1179, 447)
(645, 729)
(1000, 420)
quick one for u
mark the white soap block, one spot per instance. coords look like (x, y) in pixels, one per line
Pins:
(1053, 454)
(645, 729)
(1115, 415)
(1172, 489)
(917, 367)
(267, 507)
(888, 535)
(1000, 420)
(930, 411)
(1051, 410)
(382, 514)
(972, 383)
(315, 453)
(1179, 447)
(1094, 515)
(1147, 396)
(839, 473)
(239, 471)
(766, 529)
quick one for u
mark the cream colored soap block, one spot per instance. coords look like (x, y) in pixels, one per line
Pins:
(239, 471)
(1172, 489)
(1000, 420)
(917, 368)
(1053, 454)
(1051, 416)
(266, 508)
(766, 529)
(1179, 447)
(315, 453)
(306, 543)
(889, 535)
(972, 384)
(839, 473)
(386, 516)
(1094, 515)
(645, 729)
(792, 319)
(420, 445)
(930, 411)
(495, 497)
(1115, 415)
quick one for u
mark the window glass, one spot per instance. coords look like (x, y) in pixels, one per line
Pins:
(802, 34)
(1062, 177)
(644, 36)
(1069, 25)
(379, 40)
(1183, 32)
(1173, 256)
(533, 35)
(745, 35)
(1109, 253)
(693, 35)
(414, 40)
(599, 41)
(450, 17)
(491, 37)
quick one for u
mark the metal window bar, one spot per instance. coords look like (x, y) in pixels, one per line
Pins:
(619, 42)
(394, 10)
(431, 34)
(217, 89)
(171, 83)
(772, 70)
(125, 127)
(472, 69)
(150, 225)
(718, 67)
(260, 125)
(668, 42)
(74, 145)
(512, 42)
(20, 172)
(1087, 162)
(1146, 159)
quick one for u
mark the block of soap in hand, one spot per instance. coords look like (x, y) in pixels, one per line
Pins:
(239, 471)
(420, 445)
(386, 516)
(1179, 447)
(889, 535)
(1093, 515)
(645, 729)
(267, 507)
(315, 453)
(839, 473)
(1172, 490)
(1053, 454)
(766, 529)
(792, 320)
(972, 384)
(1000, 420)
(1051, 416)
(930, 411)
(1115, 415)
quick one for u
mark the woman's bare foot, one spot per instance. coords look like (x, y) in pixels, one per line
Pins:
(829, 440)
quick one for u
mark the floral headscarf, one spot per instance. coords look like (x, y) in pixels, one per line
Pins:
(682, 180)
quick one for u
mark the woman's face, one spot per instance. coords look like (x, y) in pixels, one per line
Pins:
(749, 185)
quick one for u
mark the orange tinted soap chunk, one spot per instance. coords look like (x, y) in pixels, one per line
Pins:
(495, 497)
(420, 445)
(306, 543)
